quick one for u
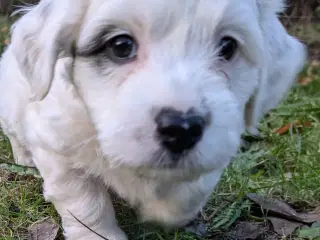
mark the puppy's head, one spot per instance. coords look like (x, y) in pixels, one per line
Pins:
(169, 85)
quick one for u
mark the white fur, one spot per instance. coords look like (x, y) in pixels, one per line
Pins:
(88, 124)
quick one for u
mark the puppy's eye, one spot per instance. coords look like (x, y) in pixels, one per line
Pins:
(228, 48)
(121, 48)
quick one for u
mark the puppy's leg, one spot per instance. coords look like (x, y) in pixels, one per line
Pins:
(85, 198)
(20, 154)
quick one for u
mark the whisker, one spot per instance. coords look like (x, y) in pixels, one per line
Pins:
(161, 156)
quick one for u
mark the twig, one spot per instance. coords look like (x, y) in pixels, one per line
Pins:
(87, 227)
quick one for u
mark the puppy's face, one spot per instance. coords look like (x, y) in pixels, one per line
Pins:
(166, 82)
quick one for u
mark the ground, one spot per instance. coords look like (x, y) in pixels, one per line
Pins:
(284, 165)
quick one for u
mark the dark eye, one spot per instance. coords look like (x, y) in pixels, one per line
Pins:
(228, 48)
(122, 48)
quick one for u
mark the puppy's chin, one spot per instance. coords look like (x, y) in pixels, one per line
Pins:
(172, 222)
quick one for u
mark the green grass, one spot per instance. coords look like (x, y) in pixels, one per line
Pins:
(285, 167)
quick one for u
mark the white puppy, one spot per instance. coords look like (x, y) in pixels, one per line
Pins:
(148, 98)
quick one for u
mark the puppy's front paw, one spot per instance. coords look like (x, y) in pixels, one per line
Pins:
(249, 138)
(252, 134)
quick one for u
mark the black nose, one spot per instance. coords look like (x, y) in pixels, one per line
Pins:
(179, 131)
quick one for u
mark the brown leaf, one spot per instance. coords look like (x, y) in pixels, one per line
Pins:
(45, 229)
(284, 210)
(284, 129)
(284, 227)
(306, 80)
(4, 29)
(308, 124)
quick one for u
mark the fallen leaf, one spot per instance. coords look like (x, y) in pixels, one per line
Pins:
(4, 29)
(283, 227)
(284, 210)
(284, 129)
(306, 80)
(249, 230)
(308, 124)
(45, 229)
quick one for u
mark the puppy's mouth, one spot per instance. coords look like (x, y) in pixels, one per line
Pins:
(177, 166)
(175, 174)
(164, 159)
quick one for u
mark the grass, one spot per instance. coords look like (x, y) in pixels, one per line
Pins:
(285, 167)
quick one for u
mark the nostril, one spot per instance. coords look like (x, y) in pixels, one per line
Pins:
(177, 131)
(196, 126)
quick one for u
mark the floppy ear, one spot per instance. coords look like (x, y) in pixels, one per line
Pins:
(41, 35)
(284, 57)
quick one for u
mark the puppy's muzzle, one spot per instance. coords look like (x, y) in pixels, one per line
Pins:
(178, 131)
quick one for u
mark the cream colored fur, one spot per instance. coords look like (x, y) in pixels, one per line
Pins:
(87, 124)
